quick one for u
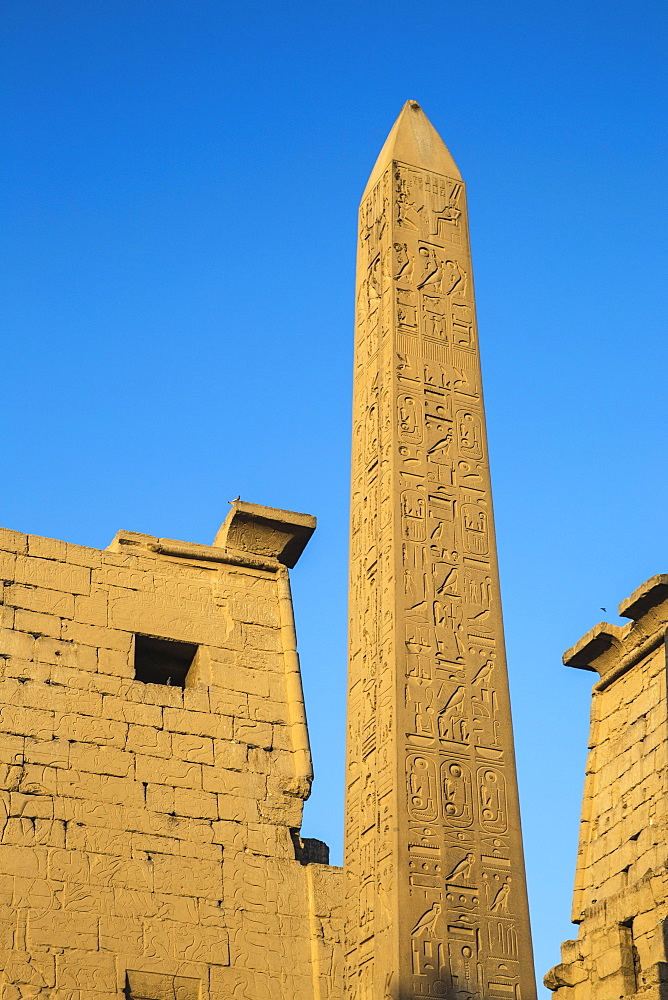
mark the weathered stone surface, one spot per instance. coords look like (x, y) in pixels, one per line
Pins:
(435, 891)
(146, 831)
(620, 900)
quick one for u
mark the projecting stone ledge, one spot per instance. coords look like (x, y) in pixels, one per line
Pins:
(251, 535)
(611, 650)
(266, 531)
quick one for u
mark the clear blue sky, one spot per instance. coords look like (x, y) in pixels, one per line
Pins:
(179, 193)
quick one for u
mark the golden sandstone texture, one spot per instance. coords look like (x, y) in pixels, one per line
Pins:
(436, 901)
(155, 762)
(153, 746)
(621, 887)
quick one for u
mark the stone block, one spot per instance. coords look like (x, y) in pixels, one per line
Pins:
(34, 806)
(37, 779)
(19, 644)
(195, 804)
(168, 771)
(230, 834)
(93, 635)
(127, 873)
(148, 740)
(154, 694)
(92, 610)
(198, 749)
(7, 566)
(187, 876)
(60, 699)
(228, 703)
(78, 969)
(261, 638)
(130, 711)
(121, 935)
(98, 840)
(255, 734)
(222, 780)
(278, 763)
(160, 986)
(52, 575)
(160, 798)
(25, 831)
(82, 556)
(230, 755)
(65, 654)
(59, 929)
(115, 662)
(26, 722)
(51, 602)
(37, 624)
(47, 548)
(36, 970)
(238, 809)
(275, 711)
(208, 852)
(196, 699)
(13, 541)
(11, 748)
(89, 729)
(198, 723)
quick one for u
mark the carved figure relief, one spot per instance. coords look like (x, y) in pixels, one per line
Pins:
(444, 196)
(427, 924)
(408, 199)
(432, 274)
(403, 263)
(500, 901)
(462, 869)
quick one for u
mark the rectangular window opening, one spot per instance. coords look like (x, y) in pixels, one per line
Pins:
(163, 661)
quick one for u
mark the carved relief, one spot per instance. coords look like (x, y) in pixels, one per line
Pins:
(457, 793)
(474, 523)
(492, 800)
(425, 608)
(469, 431)
(409, 199)
(409, 418)
(413, 511)
(422, 788)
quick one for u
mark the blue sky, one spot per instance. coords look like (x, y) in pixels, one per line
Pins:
(180, 181)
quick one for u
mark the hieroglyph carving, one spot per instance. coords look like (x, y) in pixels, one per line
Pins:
(439, 908)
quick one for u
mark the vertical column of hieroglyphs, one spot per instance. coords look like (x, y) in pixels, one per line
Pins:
(436, 891)
(371, 770)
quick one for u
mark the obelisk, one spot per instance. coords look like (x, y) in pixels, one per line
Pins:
(436, 901)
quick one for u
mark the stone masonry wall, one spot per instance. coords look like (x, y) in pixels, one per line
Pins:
(620, 900)
(149, 833)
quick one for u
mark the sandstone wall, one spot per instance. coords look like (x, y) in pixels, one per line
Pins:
(149, 832)
(620, 900)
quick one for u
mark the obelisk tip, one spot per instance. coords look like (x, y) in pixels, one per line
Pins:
(415, 141)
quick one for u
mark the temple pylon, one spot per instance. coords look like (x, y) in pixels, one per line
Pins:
(436, 901)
